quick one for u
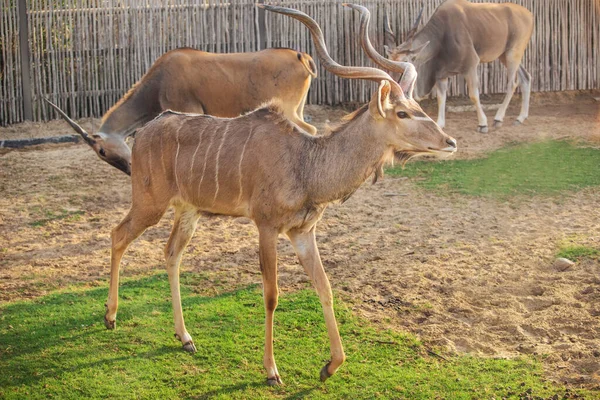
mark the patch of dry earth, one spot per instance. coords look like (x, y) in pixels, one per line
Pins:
(470, 274)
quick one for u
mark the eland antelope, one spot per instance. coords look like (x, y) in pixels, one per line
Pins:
(189, 80)
(459, 36)
(263, 166)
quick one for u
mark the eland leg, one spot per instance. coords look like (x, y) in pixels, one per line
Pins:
(441, 88)
(183, 229)
(305, 246)
(268, 267)
(133, 225)
(298, 114)
(525, 85)
(512, 65)
(299, 120)
(473, 87)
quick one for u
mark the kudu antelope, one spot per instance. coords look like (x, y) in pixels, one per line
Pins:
(262, 166)
(188, 80)
(458, 37)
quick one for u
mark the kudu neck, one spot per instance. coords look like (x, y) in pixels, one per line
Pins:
(342, 161)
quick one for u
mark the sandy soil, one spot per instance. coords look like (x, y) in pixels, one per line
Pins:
(468, 274)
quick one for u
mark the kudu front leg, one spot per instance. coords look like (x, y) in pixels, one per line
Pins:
(305, 246)
(132, 226)
(183, 229)
(268, 267)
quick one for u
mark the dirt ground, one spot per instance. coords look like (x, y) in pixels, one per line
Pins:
(467, 274)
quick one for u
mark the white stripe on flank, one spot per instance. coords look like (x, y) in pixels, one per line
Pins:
(217, 163)
(177, 157)
(194, 156)
(239, 200)
(205, 159)
(162, 156)
(150, 157)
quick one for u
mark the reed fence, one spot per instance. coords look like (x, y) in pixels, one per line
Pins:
(85, 54)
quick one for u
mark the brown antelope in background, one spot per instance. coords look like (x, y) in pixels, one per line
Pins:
(262, 166)
(188, 80)
(458, 37)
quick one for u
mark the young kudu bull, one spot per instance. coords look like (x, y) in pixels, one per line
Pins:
(188, 80)
(262, 166)
(458, 37)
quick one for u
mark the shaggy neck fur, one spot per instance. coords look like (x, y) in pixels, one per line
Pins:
(337, 164)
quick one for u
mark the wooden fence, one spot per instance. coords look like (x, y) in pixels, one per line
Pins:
(85, 54)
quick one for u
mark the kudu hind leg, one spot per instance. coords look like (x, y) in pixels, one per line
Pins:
(305, 246)
(183, 230)
(525, 85)
(268, 267)
(131, 227)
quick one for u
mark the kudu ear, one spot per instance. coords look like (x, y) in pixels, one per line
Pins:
(381, 100)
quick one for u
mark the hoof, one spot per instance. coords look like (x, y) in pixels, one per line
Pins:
(189, 347)
(324, 373)
(517, 123)
(497, 124)
(482, 129)
(109, 324)
(275, 381)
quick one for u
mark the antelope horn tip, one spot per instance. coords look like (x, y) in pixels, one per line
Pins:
(73, 124)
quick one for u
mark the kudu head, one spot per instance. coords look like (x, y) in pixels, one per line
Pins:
(111, 149)
(404, 52)
(393, 113)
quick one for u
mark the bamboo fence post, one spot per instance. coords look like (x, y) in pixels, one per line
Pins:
(25, 60)
(85, 54)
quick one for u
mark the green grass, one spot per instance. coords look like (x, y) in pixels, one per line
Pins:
(545, 168)
(575, 253)
(57, 347)
(56, 216)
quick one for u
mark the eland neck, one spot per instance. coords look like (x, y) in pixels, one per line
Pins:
(135, 109)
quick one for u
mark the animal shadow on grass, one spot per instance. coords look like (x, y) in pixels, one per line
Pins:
(240, 388)
(62, 335)
(64, 332)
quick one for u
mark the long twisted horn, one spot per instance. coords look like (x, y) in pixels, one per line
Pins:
(390, 38)
(411, 33)
(73, 124)
(330, 65)
(409, 73)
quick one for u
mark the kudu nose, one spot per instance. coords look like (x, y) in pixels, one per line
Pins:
(451, 142)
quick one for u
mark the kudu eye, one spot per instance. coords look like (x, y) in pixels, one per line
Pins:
(102, 152)
(402, 114)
